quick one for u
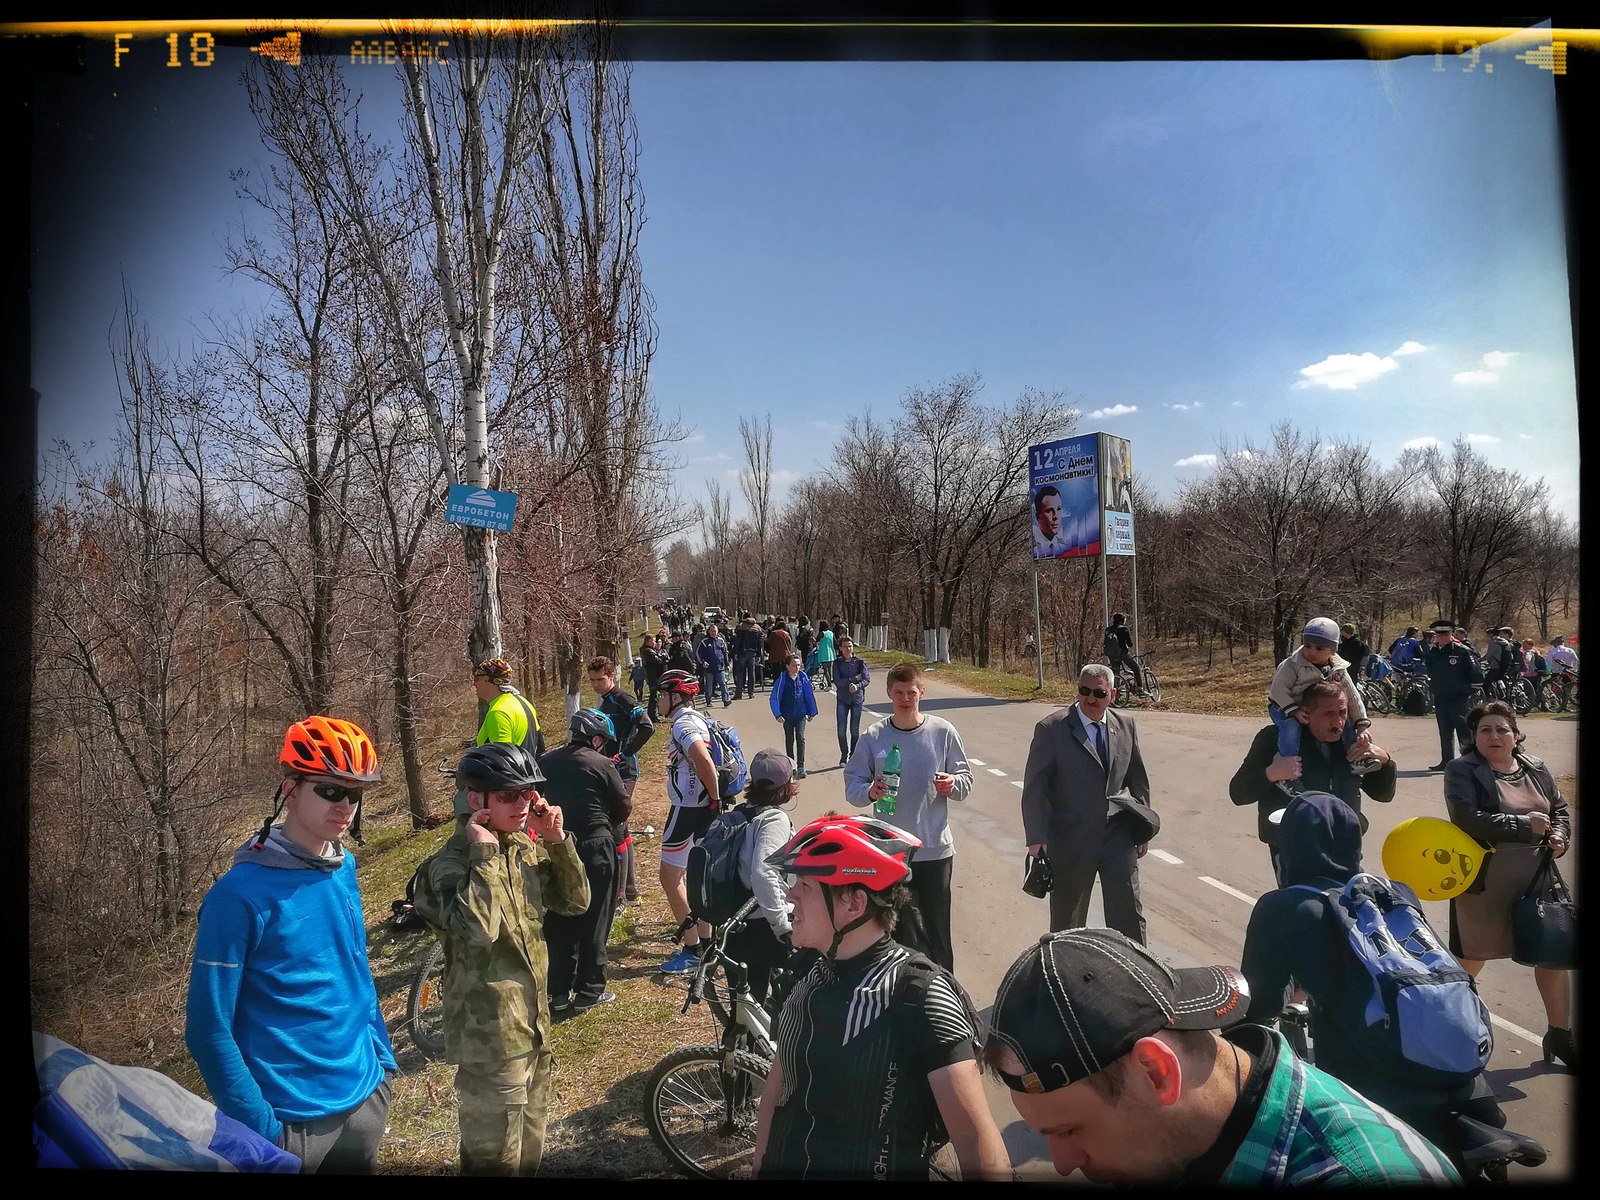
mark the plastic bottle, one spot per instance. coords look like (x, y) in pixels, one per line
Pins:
(891, 776)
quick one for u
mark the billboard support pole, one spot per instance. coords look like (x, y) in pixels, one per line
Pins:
(1038, 630)
(1105, 593)
(1134, 607)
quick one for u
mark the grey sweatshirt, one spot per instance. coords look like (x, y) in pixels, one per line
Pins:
(933, 746)
(769, 829)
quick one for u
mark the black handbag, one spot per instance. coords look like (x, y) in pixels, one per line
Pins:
(1037, 876)
(1544, 922)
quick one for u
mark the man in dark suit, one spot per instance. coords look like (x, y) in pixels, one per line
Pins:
(1079, 757)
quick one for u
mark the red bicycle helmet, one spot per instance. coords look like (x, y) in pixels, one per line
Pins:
(841, 850)
(681, 682)
(330, 749)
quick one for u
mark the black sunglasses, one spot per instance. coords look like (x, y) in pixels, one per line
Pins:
(1097, 693)
(335, 793)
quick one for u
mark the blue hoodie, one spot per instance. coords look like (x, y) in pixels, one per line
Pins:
(282, 1015)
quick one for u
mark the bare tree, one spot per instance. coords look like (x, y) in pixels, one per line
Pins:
(756, 484)
(1477, 526)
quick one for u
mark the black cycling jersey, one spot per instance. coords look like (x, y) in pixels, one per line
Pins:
(633, 726)
(856, 1041)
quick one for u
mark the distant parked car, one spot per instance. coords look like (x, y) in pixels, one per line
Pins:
(713, 613)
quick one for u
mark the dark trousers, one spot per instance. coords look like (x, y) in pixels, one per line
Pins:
(794, 741)
(345, 1143)
(848, 710)
(928, 928)
(758, 948)
(578, 944)
(744, 674)
(627, 885)
(1125, 663)
(1450, 713)
(1117, 865)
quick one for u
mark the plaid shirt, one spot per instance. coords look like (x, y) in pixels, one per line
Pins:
(1311, 1130)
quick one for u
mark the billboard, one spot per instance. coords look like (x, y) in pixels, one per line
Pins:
(1064, 491)
(1116, 493)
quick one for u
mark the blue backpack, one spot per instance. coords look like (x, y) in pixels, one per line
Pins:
(1424, 1018)
(728, 755)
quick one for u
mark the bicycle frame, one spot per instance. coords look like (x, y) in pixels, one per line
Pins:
(748, 1016)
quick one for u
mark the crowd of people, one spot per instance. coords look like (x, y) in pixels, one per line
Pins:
(1132, 1071)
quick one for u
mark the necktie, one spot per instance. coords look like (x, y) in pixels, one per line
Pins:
(1100, 746)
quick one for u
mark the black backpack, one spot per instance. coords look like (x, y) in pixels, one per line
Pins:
(715, 890)
(1111, 643)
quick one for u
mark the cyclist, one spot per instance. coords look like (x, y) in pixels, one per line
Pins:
(583, 782)
(1118, 645)
(487, 891)
(1562, 657)
(634, 728)
(282, 1014)
(1292, 937)
(510, 716)
(1498, 656)
(876, 1046)
(765, 942)
(1405, 652)
(692, 791)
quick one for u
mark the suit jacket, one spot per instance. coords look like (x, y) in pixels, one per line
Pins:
(1064, 789)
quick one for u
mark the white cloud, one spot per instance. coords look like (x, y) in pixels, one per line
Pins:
(825, 426)
(1527, 437)
(1197, 460)
(1236, 404)
(1185, 407)
(717, 457)
(1476, 377)
(1346, 372)
(1496, 359)
(1421, 443)
(1482, 438)
(1247, 454)
(1407, 347)
(1116, 410)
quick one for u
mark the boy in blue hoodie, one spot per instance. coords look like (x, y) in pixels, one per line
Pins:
(793, 704)
(282, 1014)
(1292, 937)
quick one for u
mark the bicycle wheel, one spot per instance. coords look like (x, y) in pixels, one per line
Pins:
(1522, 697)
(1152, 686)
(1374, 698)
(425, 1004)
(702, 1116)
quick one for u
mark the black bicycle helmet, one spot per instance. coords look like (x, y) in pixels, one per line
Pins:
(591, 722)
(681, 682)
(497, 767)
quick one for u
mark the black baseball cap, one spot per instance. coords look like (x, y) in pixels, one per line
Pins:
(1078, 1000)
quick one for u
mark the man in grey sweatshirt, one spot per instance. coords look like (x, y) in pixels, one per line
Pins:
(933, 772)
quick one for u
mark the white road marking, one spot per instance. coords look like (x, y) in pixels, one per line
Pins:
(1168, 858)
(1016, 783)
(977, 762)
(1518, 1030)
(997, 771)
(1220, 886)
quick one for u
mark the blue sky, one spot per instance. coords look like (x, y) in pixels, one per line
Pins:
(1191, 251)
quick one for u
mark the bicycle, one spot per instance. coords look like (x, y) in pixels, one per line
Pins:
(702, 1102)
(425, 992)
(1413, 694)
(1480, 1151)
(1375, 696)
(1129, 691)
(1563, 689)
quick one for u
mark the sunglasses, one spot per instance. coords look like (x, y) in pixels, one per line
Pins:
(335, 793)
(511, 797)
(1097, 693)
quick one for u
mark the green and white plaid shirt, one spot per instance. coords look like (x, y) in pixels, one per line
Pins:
(1311, 1130)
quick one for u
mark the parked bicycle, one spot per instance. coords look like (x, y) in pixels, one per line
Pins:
(702, 1103)
(1563, 690)
(1127, 690)
(1413, 694)
(1482, 1152)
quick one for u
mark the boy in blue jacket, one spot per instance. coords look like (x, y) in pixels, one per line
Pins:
(282, 1015)
(793, 704)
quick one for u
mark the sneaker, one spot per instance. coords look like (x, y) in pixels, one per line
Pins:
(843, 759)
(1365, 766)
(1438, 766)
(684, 962)
(602, 998)
(561, 1004)
(727, 704)
(800, 773)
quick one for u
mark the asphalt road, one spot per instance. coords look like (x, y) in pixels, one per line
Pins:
(1200, 878)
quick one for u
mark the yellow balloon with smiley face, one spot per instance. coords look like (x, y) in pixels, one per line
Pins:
(1437, 859)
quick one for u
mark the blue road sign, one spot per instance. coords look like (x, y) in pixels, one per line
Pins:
(481, 507)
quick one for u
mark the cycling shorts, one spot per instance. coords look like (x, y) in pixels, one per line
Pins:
(685, 827)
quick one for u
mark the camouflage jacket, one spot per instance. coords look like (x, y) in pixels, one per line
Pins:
(489, 902)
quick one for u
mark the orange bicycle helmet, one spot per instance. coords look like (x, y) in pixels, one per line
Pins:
(330, 749)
